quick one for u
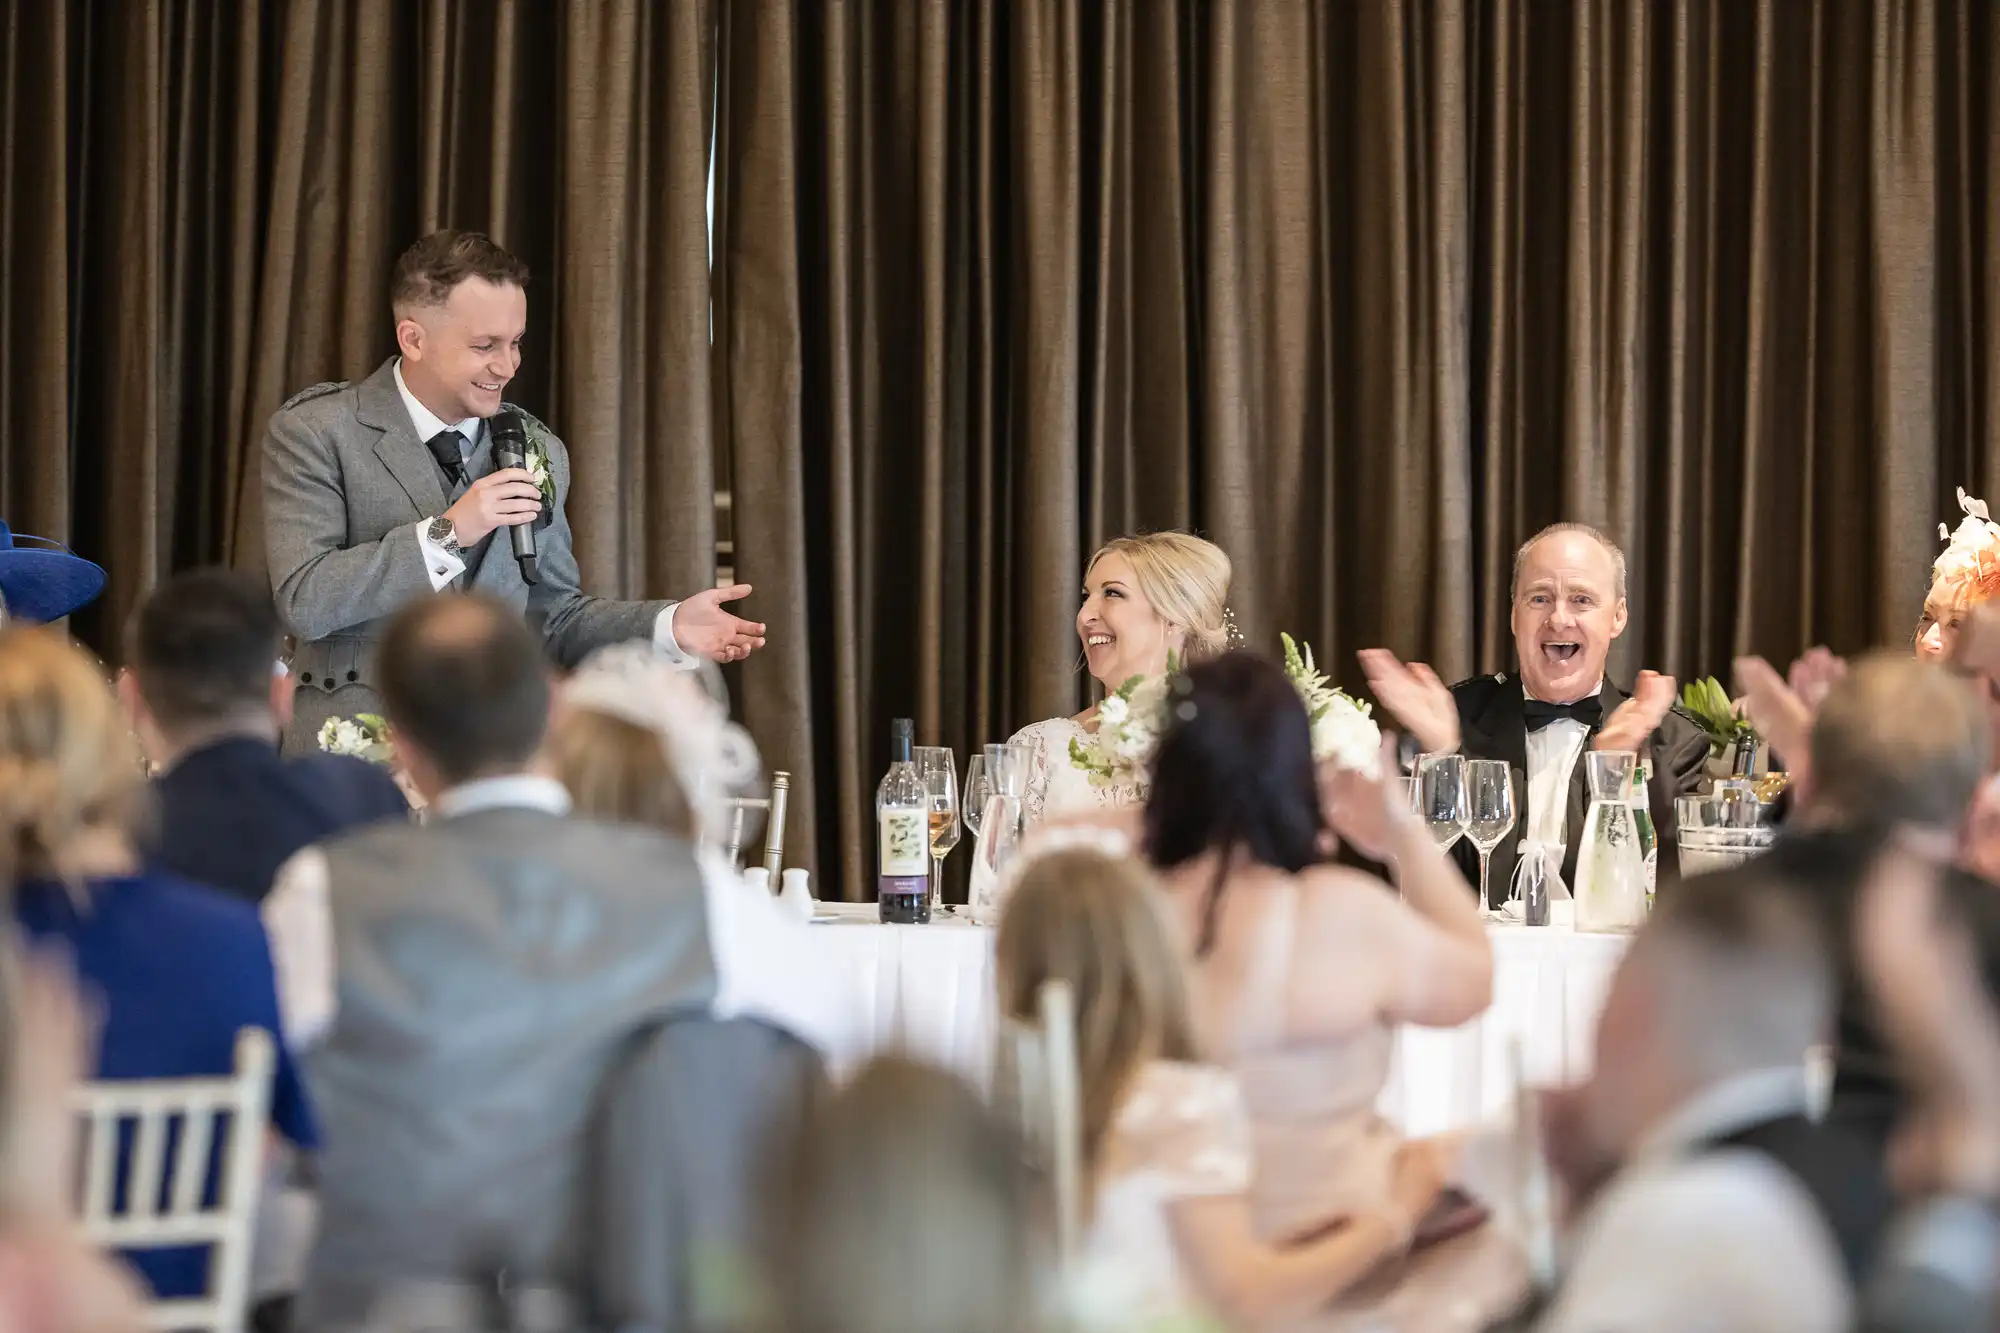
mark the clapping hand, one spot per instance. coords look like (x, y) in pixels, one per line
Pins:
(1778, 711)
(1635, 720)
(1814, 674)
(1367, 811)
(702, 626)
(1415, 697)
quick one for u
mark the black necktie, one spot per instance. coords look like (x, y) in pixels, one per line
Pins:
(1587, 711)
(448, 448)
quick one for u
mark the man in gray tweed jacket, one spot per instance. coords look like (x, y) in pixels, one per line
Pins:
(384, 491)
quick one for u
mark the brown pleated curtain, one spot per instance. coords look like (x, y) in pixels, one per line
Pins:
(1367, 290)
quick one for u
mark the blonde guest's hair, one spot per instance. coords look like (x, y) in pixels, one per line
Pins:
(1898, 740)
(617, 771)
(1098, 922)
(69, 764)
(1187, 581)
(902, 1205)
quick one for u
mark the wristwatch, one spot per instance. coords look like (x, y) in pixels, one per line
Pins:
(444, 536)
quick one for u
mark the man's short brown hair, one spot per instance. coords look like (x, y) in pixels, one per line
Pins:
(465, 682)
(429, 270)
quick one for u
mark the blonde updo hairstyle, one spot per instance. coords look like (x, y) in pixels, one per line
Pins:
(1187, 581)
(68, 762)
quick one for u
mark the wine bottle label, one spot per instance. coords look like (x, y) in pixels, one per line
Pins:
(905, 845)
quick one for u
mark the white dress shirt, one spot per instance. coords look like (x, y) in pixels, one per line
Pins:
(1725, 1239)
(442, 565)
(1552, 755)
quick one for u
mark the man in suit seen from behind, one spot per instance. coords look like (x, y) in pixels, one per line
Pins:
(460, 989)
(1569, 605)
(386, 491)
(208, 702)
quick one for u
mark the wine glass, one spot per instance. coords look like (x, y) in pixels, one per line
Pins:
(978, 786)
(1489, 787)
(1441, 797)
(939, 771)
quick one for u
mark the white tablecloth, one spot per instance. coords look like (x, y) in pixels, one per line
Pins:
(928, 991)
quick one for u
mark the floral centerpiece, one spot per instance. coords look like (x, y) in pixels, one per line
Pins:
(364, 736)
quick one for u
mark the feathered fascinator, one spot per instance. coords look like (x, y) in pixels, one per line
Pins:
(1968, 571)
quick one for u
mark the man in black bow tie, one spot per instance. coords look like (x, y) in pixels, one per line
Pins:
(1569, 604)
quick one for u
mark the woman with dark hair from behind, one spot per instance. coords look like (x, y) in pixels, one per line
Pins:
(1306, 968)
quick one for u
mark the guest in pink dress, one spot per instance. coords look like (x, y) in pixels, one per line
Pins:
(1305, 969)
(1166, 1140)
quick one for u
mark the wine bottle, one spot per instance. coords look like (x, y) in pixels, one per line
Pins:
(902, 824)
(1642, 820)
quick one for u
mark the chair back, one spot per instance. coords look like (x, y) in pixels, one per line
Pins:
(172, 1127)
(774, 806)
(1038, 1075)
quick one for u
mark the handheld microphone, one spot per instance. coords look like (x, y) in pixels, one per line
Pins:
(510, 449)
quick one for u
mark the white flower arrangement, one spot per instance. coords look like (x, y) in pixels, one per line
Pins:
(1129, 723)
(364, 736)
(1344, 732)
(1133, 717)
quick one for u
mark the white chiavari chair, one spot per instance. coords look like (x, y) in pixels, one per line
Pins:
(173, 1126)
(1038, 1075)
(773, 806)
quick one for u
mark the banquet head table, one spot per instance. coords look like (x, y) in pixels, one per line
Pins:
(927, 991)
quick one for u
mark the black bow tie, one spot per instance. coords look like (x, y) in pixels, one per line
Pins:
(1539, 714)
(448, 448)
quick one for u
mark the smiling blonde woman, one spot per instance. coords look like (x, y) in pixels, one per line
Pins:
(1147, 600)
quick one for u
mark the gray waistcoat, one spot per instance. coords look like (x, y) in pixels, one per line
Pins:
(488, 969)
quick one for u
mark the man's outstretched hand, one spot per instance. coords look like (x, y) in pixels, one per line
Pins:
(703, 626)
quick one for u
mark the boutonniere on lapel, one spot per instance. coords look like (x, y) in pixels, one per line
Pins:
(536, 459)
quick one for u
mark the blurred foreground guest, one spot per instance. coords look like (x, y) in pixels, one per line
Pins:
(1166, 1139)
(464, 986)
(1894, 742)
(1305, 969)
(636, 739)
(176, 969)
(903, 1207)
(1707, 1197)
(693, 1111)
(209, 709)
(1568, 606)
(51, 1279)
(1937, 1270)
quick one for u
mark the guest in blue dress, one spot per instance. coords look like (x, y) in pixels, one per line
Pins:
(174, 969)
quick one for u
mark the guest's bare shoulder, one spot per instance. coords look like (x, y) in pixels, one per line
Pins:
(1337, 899)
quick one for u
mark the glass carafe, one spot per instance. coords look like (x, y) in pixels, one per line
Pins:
(1610, 867)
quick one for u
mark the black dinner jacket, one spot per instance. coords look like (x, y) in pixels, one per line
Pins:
(1492, 725)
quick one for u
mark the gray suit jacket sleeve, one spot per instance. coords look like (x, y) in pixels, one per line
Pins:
(320, 582)
(573, 622)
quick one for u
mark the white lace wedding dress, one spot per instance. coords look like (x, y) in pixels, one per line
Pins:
(1058, 787)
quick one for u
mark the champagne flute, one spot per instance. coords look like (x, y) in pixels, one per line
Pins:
(1441, 797)
(978, 786)
(939, 772)
(1489, 785)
